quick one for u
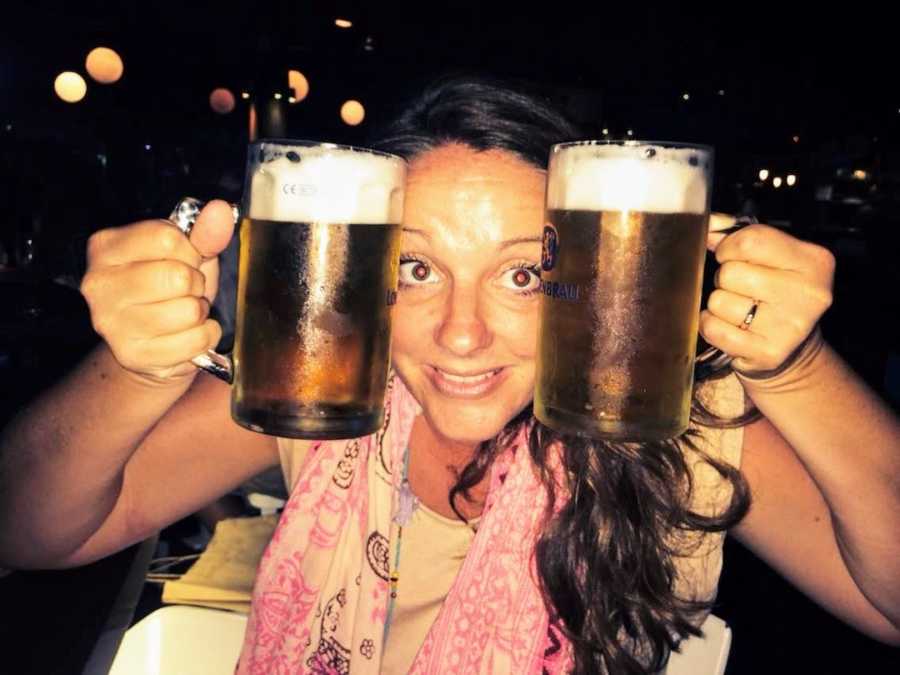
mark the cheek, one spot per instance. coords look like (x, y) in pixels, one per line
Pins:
(412, 330)
(517, 328)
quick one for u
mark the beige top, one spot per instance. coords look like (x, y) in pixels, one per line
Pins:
(434, 546)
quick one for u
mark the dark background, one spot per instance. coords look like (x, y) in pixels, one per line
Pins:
(757, 76)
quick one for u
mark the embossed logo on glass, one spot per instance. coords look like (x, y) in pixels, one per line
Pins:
(550, 248)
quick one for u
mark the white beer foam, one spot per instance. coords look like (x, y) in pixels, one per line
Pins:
(621, 178)
(329, 185)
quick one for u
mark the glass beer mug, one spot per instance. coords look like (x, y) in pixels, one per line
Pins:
(622, 265)
(319, 247)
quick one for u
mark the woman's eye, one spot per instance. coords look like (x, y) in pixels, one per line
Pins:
(416, 272)
(525, 279)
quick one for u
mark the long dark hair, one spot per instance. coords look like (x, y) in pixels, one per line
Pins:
(606, 557)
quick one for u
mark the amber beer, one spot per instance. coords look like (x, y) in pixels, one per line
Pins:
(317, 277)
(624, 246)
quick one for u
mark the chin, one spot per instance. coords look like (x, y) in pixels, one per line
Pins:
(469, 422)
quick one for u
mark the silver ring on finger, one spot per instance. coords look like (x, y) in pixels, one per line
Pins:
(751, 314)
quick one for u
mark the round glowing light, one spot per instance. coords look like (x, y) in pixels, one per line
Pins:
(686, 96)
(606, 132)
(104, 65)
(630, 132)
(721, 92)
(221, 100)
(343, 23)
(70, 87)
(298, 82)
(277, 96)
(353, 113)
(776, 182)
(245, 95)
(763, 174)
(791, 180)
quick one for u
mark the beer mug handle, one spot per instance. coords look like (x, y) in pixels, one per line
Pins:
(183, 216)
(713, 359)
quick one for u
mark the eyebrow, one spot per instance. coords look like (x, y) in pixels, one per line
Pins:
(520, 240)
(421, 233)
(503, 244)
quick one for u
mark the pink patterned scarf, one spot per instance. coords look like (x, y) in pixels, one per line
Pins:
(321, 595)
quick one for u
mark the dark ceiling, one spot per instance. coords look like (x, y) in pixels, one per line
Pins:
(784, 71)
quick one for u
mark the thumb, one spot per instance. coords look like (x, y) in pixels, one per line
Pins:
(720, 226)
(213, 229)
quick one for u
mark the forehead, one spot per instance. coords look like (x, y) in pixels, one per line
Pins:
(471, 197)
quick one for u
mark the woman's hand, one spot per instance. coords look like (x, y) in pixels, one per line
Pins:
(771, 290)
(149, 290)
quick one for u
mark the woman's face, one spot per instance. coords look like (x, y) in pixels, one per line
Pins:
(465, 324)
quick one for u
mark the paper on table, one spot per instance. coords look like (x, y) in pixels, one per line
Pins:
(224, 573)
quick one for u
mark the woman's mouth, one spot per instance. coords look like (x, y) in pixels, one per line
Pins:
(472, 384)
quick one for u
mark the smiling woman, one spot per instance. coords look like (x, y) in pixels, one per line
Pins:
(464, 338)
(464, 536)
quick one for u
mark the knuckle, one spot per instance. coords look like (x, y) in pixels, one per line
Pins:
(102, 323)
(90, 286)
(721, 275)
(168, 238)
(96, 243)
(199, 282)
(754, 284)
(825, 298)
(758, 230)
(712, 330)
(199, 310)
(819, 297)
(704, 321)
(748, 239)
(177, 278)
(716, 301)
(213, 333)
(729, 273)
(823, 258)
(198, 341)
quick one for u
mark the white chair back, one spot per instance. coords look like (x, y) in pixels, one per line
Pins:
(181, 640)
(705, 655)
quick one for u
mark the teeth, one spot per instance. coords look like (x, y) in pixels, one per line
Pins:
(468, 379)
